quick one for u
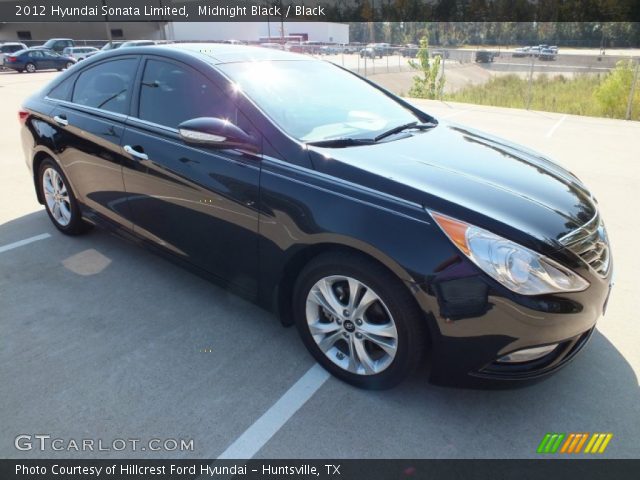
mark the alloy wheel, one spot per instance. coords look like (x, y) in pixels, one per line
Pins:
(56, 196)
(351, 325)
(31, 68)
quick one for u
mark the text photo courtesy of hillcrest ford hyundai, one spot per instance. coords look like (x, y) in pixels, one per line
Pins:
(360, 240)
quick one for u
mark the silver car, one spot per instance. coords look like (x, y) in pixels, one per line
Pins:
(79, 53)
(9, 48)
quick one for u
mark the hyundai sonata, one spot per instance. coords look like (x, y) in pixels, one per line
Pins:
(383, 234)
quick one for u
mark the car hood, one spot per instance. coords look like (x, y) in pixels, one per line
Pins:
(471, 175)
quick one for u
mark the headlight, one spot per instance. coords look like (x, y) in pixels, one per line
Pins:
(514, 266)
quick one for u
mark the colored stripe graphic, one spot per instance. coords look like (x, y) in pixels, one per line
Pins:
(581, 443)
(543, 443)
(573, 443)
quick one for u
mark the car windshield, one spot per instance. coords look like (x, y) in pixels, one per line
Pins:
(314, 101)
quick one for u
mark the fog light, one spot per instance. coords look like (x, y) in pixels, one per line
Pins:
(527, 354)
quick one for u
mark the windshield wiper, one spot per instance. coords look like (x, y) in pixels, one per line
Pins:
(341, 142)
(400, 128)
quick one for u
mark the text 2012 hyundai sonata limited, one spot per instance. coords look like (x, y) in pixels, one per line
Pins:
(384, 235)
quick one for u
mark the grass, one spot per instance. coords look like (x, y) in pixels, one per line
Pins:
(580, 95)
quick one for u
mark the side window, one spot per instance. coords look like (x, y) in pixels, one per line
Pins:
(63, 90)
(171, 94)
(106, 86)
(36, 54)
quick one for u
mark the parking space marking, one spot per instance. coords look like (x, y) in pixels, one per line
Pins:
(555, 126)
(26, 241)
(258, 434)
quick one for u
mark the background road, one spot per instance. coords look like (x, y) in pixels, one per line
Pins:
(101, 339)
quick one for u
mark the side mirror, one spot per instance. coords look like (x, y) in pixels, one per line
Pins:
(216, 133)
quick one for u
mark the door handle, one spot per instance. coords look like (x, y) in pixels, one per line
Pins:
(135, 153)
(61, 120)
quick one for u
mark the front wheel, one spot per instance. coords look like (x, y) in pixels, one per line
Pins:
(358, 320)
(61, 204)
(69, 65)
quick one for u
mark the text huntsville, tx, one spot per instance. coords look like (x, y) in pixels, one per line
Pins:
(213, 11)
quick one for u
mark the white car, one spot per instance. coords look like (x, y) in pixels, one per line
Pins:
(79, 53)
(8, 48)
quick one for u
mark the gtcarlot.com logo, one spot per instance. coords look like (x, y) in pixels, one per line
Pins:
(45, 442)
(575, 442)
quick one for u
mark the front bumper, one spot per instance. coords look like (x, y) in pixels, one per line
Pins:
(473, 321)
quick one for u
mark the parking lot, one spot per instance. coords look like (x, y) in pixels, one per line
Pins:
(101, 339)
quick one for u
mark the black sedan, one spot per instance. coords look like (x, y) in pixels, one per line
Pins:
(33, 59)
(383, 234)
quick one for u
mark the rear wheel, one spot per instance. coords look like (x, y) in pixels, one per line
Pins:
(61, 204)
(358, 320)
(68, 65)
(30, 67)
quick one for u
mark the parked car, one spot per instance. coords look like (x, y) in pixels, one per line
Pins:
(484, 56)
(547, 54)
(272, 45)
(137, 43)
(521, 52)
(9, 48)
(410, 50)
(33, 59)
(111, 46)
(383, 49)
(58, 44)
(79, 53)
(370, 52)
(534, 51)
(442, 53)
(330, 50)
(487, 257)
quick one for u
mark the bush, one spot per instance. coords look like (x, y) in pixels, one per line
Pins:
(613, 93)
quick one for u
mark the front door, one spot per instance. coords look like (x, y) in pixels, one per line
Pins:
(197, 202)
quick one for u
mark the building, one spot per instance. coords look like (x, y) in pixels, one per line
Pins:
(36, 33)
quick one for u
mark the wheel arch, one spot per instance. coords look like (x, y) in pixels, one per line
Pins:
(298, 260)
(39, 156)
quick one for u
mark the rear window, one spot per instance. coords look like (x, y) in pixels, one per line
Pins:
(11, 48)
(106, 86)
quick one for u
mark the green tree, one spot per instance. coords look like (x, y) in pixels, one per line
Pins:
(429, 83)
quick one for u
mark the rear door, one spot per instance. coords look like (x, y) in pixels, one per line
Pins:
(38, 59)
(197, 202)
(90, 118)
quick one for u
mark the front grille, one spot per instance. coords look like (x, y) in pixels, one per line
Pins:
(590, 242)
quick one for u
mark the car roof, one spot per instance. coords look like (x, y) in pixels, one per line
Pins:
(218, 53)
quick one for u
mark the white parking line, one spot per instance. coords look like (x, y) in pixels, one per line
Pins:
(26, 241)
(555, 126)
(258, 434)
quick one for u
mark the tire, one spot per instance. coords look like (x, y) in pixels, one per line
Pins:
(69, 65)
(30, 67)
(60, 203)
(354, 353)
